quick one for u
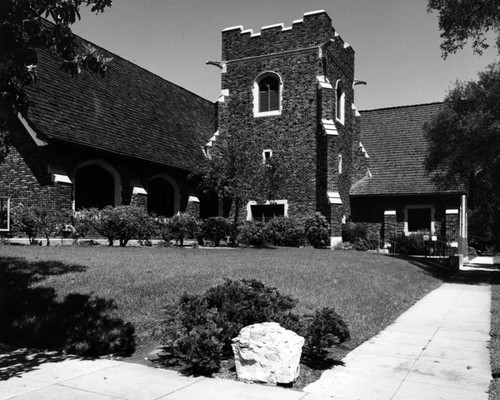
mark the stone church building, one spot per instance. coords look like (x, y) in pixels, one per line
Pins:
(133, 138)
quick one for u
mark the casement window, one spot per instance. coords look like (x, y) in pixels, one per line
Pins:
(340, 164)
(268, 211)
(419, 219)
(267, 93)
(4, 214)
(340, 102)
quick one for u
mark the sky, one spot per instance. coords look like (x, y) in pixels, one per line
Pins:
(396, 42)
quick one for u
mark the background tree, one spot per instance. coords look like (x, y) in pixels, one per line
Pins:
(24, 30)
(464, 20)
(464, 149)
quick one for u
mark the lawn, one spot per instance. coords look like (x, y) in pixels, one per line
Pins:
(369, 291)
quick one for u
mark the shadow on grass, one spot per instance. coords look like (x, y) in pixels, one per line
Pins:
(31, 316)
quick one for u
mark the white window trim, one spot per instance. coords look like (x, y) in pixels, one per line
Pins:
(254, 203)
(8, 215)
(419, 206)
(340, 164)
(264, 159)
(255, 92)
(341, 105)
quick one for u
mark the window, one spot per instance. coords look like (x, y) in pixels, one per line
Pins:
(340, 164)
(4, 214)
(161, 197)
(266, 155)
(266, 212)
(419, 219)
(267, 95)
(340, 102)
(94, 187)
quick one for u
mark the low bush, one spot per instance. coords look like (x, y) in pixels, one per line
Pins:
(352, 232)
(317, 231)
(36, 220)
(179, 227)
(251, 233)
(215, 229)
(198, 330)
(285, 231)
(410, 245)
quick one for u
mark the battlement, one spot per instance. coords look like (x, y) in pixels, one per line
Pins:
(313, 30)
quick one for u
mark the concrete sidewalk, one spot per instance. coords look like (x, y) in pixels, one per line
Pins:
(438, 349)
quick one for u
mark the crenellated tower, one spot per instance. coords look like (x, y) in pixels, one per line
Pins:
(289, 92)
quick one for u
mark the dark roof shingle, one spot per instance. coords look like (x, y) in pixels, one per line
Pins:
(130, 112)
(395, 142)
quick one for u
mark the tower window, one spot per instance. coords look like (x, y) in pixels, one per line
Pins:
(340, 102)
(267, 95)
(340, 164)
(266, 155)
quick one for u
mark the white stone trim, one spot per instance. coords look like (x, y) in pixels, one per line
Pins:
(193, 199)
(288, 28)
(139, 190)
(390, 212)
(254, 203)
(355, 109)
(335, 241)
(233, 28)
(280, 25)
(451, 211)
(250, 31)
(60, 178)
(39, 142)
(329, 127)
(419, 206)
(334, 197)
(314, 12)
(264, 159)
(323, 82)
(363, 150)
(298, 21)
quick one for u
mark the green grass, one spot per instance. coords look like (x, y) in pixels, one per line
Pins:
(369, 291)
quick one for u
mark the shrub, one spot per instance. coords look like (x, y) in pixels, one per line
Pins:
(251, 233)
(82, 222)
(352, 231)
(179, 227)
(324, 331)
(35, 220)
(410, 245)
(119, 223)
(317, 230)
(285, 231)
(198, 330)
(216, 229)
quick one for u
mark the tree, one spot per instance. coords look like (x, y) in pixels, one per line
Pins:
(464, 148)
(236, 171)
(24, 30)
(462, 20)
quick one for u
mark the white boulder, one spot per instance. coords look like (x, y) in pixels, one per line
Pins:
(267, 353)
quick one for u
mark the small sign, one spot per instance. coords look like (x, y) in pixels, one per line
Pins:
(434, 238)
(426, 238)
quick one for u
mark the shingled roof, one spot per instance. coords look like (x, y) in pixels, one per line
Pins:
(396, 146)
(130, 112)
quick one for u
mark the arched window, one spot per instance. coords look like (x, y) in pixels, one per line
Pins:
(161, 197)
(267, 95)
(340, 102)
(94, 187)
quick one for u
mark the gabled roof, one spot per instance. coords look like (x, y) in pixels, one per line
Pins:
(129, 112)
(394, 140)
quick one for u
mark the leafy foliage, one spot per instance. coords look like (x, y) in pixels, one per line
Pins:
(198, 330)
(215, 229)
(317, 230)
(179, 227)
(251, 233)
(460, 21)
(285, 231)
(36, 220)
(464, 148)
(24, 31)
